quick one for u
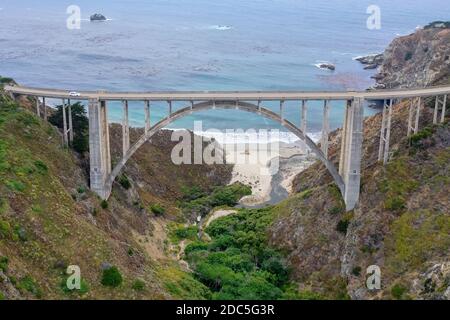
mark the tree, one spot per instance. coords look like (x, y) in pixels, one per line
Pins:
(80, 124)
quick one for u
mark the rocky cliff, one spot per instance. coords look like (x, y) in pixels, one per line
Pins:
(402, 223)
(417, 60)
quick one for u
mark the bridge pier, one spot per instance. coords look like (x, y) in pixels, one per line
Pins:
(125, 129)
(444, 105)
(304, 114)
(385, 134)
(65, 137)
(353, 149)
(147, 116)
(325, 128)
(416, 124)
(436, 109)
(45, 108)
(70, 122)
(38, 107)
(99, 148)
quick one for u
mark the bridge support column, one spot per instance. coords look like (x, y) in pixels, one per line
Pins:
(99, 148)
(325, 128)
(444, 105)
(125, 129)
(65, 138)
(45, 108)
(70, 122)
(346, 131)
(385, 135)
(304, 114)
(38, 110)
(147, 116)
(410, 117)
(418, 106)
(353, 150)
(282, 110)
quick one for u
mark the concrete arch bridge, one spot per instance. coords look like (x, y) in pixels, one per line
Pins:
(347, 176)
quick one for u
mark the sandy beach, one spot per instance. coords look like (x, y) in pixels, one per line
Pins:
(269, 168)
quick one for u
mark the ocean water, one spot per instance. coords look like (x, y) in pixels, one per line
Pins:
(204, 45)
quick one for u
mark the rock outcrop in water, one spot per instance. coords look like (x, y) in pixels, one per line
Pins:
(327, 66)
(417, 60)
(371, 61)
(98, 17)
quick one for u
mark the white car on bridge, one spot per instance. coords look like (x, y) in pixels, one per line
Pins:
(74, 94)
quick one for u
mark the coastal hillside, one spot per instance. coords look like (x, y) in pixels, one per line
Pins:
(49, 219)
(420, 59)
(402, 222)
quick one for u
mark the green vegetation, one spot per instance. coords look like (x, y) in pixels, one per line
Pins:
(356, 271)
(397, 184)
(111, 277)
(124, 181)
(343, 224)
(138, 285)
(157, 209)
(28, 284)
(104, 204)
(201, 204)
(416, 139)
(84, 287)
(182, 233)
(440, 24)
(4, 264)
(398, 291)
(238, 263)
(415, 237)
(80, 124)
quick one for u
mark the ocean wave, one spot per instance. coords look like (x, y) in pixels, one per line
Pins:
(365, 56)
(220, 27)
(258, 137)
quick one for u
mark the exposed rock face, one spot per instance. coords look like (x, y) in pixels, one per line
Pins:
(328, 66)
(417, 60)
(98, 17)
(371, 61)
(401, 223)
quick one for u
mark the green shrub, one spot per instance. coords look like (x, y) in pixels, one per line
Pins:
(84, 287)
(81, 189)
(4, 264)
(398, 291)
(342, 226)
(356, 271)
(415, 139)
(15, 185)
(5, 229)
(157, 209)
(104, 204)
(124, 181)
(41, 167)
(29, 284)
(395, 203)
(111, 277)
(138, 285)
(186, 233)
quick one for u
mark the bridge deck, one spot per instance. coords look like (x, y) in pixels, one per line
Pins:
(232, 95)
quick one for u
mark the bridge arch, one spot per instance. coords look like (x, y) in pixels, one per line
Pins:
(236, 105)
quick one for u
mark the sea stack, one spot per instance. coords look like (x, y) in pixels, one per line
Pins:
(98, 17)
